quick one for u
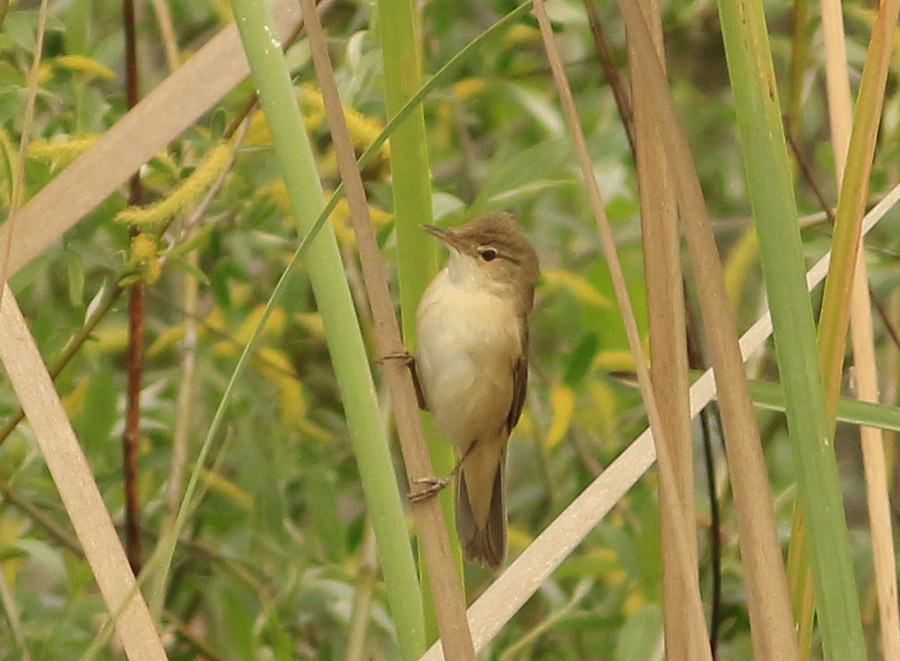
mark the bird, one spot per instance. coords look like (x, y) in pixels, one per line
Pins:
(472, 364)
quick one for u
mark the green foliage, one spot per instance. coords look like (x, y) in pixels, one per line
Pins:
(272, 557)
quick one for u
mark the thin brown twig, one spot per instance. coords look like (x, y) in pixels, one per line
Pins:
(710, 417)
(44, 520)
(167, 33)
(807, 174)
(613, 77)
(8, 601)
(131, 436)
(885, 317)
(197, 642)
(245, 571)
(449, 601)
(190, 286)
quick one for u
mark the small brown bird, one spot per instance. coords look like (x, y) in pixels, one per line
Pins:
(473, 365)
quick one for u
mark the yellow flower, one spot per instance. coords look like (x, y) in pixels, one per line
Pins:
(144, 262)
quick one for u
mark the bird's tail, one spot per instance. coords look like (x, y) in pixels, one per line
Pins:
(481, 507)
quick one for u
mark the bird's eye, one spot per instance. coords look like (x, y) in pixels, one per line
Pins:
(488, 254)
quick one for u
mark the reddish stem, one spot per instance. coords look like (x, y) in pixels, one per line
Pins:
(131, 437)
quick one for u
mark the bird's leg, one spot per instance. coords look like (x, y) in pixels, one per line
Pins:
(406, 358)
(434, 485)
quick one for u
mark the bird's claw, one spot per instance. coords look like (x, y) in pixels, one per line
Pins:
(406, 358)
(432, 487)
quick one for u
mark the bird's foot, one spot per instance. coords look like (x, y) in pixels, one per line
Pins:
(431, 486)
(409, 360)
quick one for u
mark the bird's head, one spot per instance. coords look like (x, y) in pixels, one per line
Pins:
(493, 252)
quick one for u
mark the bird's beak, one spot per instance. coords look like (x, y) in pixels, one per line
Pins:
(448, 236)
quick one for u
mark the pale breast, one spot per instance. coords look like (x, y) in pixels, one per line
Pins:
(469, 340)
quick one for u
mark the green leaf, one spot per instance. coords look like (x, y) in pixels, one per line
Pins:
(190, 269)
(20, 26)
(75, 270)
(94, 422)
(321, 505)
(445, 204)
(76, 19)
(581, 359)
(641, 636)
(217, 124)
(239, 621)
(527, 172)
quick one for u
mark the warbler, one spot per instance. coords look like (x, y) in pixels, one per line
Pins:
(473, 366)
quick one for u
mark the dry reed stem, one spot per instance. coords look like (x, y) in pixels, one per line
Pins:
(57, 441)
(167, 33)
(450, 600)
(765, 580)
(835, 317)
(171, 108)
(670, 501)
(55, 209)
(840, 111)
(75, 482)
(611, 69)
(506, 595)
(668, 340)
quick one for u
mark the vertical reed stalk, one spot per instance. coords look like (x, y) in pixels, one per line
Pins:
(770, 188)
(670, 500)
(767, 600)
(863, 341)
(411, 178)
(354, 378)
(668, 340)
(449, 597)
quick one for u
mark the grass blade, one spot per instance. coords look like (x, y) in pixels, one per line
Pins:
(332, 293)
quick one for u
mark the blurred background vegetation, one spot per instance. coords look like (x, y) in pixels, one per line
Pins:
(279, 554)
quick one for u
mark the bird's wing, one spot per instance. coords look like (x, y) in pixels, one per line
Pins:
(520, 382)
